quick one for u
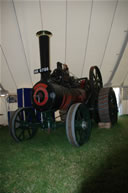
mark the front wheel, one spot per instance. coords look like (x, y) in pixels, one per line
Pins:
(22, 124)
(78, 124)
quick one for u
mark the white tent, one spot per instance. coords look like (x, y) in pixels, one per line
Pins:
(85, 33)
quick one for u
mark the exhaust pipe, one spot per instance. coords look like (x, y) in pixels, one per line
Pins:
(44, 46)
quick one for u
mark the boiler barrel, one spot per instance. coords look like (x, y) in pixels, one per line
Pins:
(50, 96)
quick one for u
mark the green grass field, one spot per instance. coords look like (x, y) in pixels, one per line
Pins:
(49, 164)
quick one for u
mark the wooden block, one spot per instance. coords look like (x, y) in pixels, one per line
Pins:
(104, 125)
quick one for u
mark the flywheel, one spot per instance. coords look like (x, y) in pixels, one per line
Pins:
(95, 79)
(107, 105)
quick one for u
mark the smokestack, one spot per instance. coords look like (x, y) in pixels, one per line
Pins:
(44, 42)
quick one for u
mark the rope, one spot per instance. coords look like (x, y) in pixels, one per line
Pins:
(41, 19)
(66, 16)
(109, 34)
(8, 66)
(85, 53)
(22, 41)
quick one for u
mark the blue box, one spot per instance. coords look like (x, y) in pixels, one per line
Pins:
(24, 97)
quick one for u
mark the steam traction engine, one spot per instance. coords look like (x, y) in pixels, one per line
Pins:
(79, 100)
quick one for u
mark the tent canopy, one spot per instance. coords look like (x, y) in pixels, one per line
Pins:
(85, 33)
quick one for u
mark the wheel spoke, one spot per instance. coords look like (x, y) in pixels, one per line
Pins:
(21, 135)
(80, 135)
(95, 78)
(78, 116)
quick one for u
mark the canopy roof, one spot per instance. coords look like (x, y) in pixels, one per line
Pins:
(85, 33)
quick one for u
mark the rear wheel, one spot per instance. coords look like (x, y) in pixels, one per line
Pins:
(107, 105)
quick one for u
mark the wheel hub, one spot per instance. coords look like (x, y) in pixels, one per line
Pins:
(84, 125)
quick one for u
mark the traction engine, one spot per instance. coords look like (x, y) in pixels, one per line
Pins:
(79, 101)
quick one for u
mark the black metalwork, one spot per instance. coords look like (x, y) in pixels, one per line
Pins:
(79, 100)
(95, 78)
(22, 124)
(44, 52)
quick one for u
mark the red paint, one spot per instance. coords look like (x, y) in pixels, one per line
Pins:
(63, 101)
(82, 84)
(67, 102)
(41, 87)
(81, 98)
(72, 98)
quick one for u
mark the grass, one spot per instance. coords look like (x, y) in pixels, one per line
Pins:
(49, 164)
